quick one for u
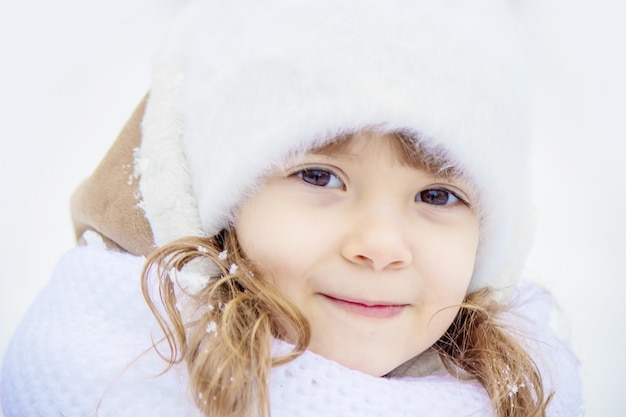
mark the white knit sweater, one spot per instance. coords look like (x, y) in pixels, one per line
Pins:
(79, 349)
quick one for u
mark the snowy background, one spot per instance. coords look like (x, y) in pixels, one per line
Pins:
(73, 71)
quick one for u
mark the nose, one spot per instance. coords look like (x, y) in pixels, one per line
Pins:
(378, 241)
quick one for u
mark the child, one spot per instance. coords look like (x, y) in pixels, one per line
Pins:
(332, 200)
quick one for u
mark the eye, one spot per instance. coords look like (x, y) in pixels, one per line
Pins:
(320, 178)
(437, 197)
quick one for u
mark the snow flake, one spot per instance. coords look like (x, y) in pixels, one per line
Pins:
(202, 249)
(514, 389)
(136, 162)
(211, 307)
(134, 175)
(222, 255)
(233, 269)
(211, 328)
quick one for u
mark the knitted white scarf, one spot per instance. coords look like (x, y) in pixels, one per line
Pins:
(81, 342)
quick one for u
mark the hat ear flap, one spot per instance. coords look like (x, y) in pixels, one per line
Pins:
(108, 201)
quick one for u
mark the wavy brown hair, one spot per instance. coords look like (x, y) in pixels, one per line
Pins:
(225, 335)
(477, 346)
(224, 332)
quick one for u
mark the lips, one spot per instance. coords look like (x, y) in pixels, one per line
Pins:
(380, 310)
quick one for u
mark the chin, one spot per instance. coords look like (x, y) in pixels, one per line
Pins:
(373, 368)
(370, 363)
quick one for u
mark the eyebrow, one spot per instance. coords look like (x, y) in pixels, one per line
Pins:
(335, 154)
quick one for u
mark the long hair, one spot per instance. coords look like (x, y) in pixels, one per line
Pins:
(223, 334)
(477, 346)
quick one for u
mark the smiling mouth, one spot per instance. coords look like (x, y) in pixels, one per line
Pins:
(375, 310)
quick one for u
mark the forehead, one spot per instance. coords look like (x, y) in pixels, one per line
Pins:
(407, 149)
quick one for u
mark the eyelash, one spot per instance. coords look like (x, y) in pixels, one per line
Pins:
(434, 192)
(325, 177)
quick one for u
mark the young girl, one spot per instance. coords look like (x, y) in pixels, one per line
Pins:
(332, 200)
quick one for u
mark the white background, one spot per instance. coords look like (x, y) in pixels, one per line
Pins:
(71, 72)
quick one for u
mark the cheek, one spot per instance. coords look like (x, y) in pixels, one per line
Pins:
(447, 275)
(257, 233)
(447, 263)
(279, 239)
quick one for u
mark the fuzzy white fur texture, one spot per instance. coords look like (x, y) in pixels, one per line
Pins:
(167, 196)
(239, 86)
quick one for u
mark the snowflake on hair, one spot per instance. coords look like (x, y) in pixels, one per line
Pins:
(211, 328)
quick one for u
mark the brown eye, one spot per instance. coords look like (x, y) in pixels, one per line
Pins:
(437, 197)
(320, 178)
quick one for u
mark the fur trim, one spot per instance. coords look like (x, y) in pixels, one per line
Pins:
(275, 76)
(165, 183)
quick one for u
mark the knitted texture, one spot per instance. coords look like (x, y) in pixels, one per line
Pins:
(78, 340)
(83, 338)
(314, 386)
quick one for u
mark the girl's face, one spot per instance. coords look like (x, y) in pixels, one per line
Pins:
(377, 254)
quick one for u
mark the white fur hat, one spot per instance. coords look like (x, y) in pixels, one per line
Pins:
(240, 84)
